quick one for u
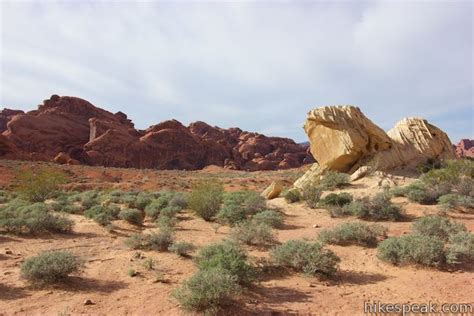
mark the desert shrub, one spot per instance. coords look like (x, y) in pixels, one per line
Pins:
(465, 187)
(311, 195)
(206, 198)
(153, 209)
(451, 174)
(239, 206)
(231, 214)
(428, 165)
(307, 257)
(141, 201)
(460, 248)
(422, 195)
(271, 218)
(334, 199)
(228, 256)
(182, 248)
(89, 199)
(436, 226)
(170, 211)
(398, 191)
(353, 233)
(21, 217)
(252, 233)
(50, 267)
(164, 222)
(377, 208)
(333, 179)
(207, 291)
(132, 216)
(180, 200)
(4, 196)
(292, 195)
(103, 215)
(454, 201)
(155, 241)
(418, 249)
(40, 184)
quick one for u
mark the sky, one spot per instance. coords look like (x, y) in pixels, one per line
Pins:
(260, 66)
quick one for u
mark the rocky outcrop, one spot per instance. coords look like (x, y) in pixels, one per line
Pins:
(5, 116)
(70, 130)
(465, 148)
(343, 139)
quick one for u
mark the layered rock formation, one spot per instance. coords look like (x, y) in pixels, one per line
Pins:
(72, 130)
(465, 148)
(343, 139)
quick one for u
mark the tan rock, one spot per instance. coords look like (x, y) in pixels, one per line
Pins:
(343, 139)
(273, 190)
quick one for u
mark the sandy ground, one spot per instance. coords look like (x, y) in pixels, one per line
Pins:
(362, 277)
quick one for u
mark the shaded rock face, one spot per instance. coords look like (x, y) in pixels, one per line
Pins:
(5, 116)
(72, 130)
(465, 148)
(343, 139)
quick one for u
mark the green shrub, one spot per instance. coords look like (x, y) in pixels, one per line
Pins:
(292, 195)
(311, 195)
(180, 200)
(206, 198)
(182, 248)
(418, 249)
(353, 233)
(455, 201)
(398, 191)
(254, 203)
(231, 214)
(21, 217)
(334, 199)
(166, 222)
(141, 201)
(333, 179)
(307, 257)
(153, 209)
(103, 215)
(132, 216)
(252, 233)
(207, 291)
(436, 226)
(460, 248)
(170, 211)
(50, 267)
(39, 185)
(428, 165)
(451, 174)
(155, 241)
(4, 196)
(377, 208)
(422, 195)
(271, 218)
(228, 256)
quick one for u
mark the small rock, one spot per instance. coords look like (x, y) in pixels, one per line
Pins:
(88, 302)
(316, 226)
(8, 252)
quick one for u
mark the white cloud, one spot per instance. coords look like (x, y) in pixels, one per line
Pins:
(259, 66)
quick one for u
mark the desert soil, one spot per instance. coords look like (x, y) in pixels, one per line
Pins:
(362, 277)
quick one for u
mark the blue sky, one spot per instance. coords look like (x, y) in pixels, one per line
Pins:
(260, 66)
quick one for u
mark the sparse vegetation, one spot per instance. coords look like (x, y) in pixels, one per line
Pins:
(20, 217)
(206, 198)
(103, 215)
(40, 184)
(207, 291)
(271, 218)
(334, 199)
(418, 249)
(229, 256)
(182, 248)
(155, 241)
(311, 195)
(50, 267)
(333, 179)
(311, 258)
(239, 206)
(353, 233)
(252, 233)
(377, 208)
(132, 216)
(460, 248)
(292, 195)
(436, 226)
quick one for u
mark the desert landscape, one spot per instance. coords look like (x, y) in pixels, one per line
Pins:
(202, 157)
(381, 217)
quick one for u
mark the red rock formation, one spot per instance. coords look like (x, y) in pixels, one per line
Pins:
(72, 130)
(465, 148)
(5, 116)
